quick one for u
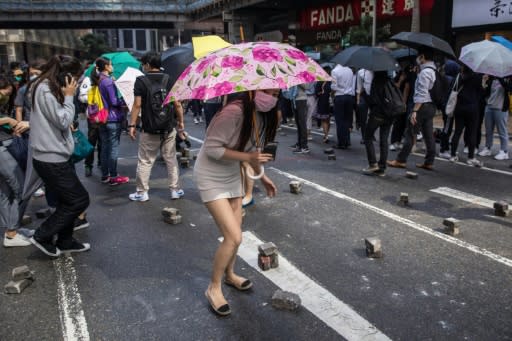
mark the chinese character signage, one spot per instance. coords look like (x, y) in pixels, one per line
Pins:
(349, 12)
(483, 12)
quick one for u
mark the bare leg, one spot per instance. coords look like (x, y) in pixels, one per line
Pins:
(230, 270)
(228, 220)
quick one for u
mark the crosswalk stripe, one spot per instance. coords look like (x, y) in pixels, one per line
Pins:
(453, 193)
(395, 217)
(318, 300)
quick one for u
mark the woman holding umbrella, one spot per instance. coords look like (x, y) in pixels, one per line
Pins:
(235, 135)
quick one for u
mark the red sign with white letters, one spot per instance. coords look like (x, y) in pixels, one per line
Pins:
(349, 12)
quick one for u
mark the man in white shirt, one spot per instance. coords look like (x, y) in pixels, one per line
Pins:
(343, 86)
(363, 86)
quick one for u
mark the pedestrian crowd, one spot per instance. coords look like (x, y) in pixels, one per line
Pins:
(40, 142)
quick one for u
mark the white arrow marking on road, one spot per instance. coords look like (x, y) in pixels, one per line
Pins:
(453, 193)
(318, 300)
(72, 317)
(410, 223)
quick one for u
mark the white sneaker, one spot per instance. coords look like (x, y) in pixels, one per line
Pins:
(474, 162)
(196, 121)
(485, 152)
(501, 155)
(393, 147)
(419, 137)
(454, 159)
(17, 240)
(445, 155)
(139, 196)
(177, 194)
(466, 150)
(200, 119)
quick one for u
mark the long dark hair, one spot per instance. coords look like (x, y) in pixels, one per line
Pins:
(101, 63)
(57, 68)
(269, 122)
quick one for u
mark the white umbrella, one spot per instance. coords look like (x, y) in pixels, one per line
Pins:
(488, 57)
(125, 85)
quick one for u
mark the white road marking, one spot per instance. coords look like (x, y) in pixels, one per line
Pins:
(453, 193)
(319, 301)
(395, 217)
(72, 317)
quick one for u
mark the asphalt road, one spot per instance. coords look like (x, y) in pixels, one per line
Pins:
(145, 279)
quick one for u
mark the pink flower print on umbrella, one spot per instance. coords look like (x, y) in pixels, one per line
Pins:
(234, 62)
(185, 73)
(220, 89)
(306, 76)
(266, 54)
(297, 55)
(199, 92)
(204, 64)
(281, 82)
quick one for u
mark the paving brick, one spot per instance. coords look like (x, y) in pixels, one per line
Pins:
(170, 212)
(21, 272)
(404, 199)
(184, 162)
(501, 209)
(328, 151)
(285, 300)
(295, 186)
(17, 287)
(264, 262)
(373, 247)
(267, 249)
(411, 175)
(173, 220)
(26, 220)
(274, 260)
(451, 222)
(331, 157)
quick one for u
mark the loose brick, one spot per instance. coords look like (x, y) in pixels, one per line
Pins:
(267, 249)
(274, 260)
(295, 186)
(264, 262)
(184, 162)
(451, 222)
(170, 212)
(404, 199)
(173, 220)
(501, 213)
(186, 152)
(328, 151)
(411, 175)
(452, 230)
(21, 272)
(501, 205)
(373, 247)
(285, 300)
(331, 157)
(17, 287)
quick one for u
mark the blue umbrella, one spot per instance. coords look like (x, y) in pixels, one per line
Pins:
(503, 41)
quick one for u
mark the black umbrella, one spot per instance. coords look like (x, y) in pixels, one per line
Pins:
(404, 53)
(176, 59)
(421, 39)
(366, 57)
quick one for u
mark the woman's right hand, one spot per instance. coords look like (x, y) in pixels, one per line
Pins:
(70, 88)
(257, 158)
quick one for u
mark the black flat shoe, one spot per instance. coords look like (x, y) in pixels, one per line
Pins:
(246, 285)
(223, 310)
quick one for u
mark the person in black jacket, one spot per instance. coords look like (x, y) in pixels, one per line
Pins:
(377, 119)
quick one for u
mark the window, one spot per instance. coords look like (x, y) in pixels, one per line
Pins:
(140, 37)
(154, 43)
(128, 39)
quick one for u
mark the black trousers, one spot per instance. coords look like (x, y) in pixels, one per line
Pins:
(362, 116)
(425, 124)
(384, 126)
(466, 120)
(72, 199)
(93, 135)
(300, 121)
(344, 116)
(447, 132)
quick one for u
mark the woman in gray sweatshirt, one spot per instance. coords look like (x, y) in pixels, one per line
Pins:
(52, 145)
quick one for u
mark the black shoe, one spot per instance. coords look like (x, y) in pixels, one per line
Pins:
(47, 247)
(75, 246)
(80, 224)
(88, 171)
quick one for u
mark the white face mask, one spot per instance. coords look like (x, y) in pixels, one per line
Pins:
(264, 102)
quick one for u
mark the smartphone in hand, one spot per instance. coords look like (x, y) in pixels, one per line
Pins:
(271, 148)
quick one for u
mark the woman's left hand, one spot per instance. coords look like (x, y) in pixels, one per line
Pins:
(21, 127)
(269, 186)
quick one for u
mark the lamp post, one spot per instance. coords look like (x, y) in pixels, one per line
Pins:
(374, 23)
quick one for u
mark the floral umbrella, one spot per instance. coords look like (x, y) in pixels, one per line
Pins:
(243, 67)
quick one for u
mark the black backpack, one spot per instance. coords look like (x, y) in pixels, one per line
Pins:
(440, 90)
(161, 118)
(391, 103)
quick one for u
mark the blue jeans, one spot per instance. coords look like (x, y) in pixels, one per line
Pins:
(498, 118)
(110, 135)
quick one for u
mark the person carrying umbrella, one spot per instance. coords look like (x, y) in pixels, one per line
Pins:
(423, 112)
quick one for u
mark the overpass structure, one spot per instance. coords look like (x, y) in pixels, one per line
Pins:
(111, 13)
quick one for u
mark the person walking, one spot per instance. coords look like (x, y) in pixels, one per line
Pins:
(52, 145)
(156, 133)
(496, 114)
(469, 87)
(323, 110)
(93, 128)
(364, 80)
(343, 86)
(110, 133)
(236, 134)
(422, 115)
(301, 112)
(311, 107)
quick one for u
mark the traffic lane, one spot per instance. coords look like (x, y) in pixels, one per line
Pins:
(33, 314)
(146, 279)
(458, 291)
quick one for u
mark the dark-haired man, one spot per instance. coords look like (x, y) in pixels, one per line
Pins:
(422, 116)
(156, 134)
